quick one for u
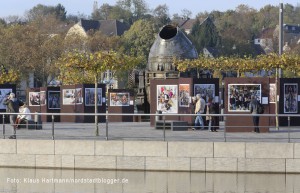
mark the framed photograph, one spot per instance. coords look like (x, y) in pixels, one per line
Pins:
(272, 94)
(90, 97)
(184, 95)
(167, 98)
(291, 98)
(43, 98)
(34, 99)
(239, 96)
(53, 99)
(3, 94)
(206, 90)
(72, 96)
(119, 99)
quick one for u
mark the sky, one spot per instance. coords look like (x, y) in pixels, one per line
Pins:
(19, 7)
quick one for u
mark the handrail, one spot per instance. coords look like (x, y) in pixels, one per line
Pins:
(55, 127)
(154, 114)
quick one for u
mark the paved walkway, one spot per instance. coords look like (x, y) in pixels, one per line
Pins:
(143, 131)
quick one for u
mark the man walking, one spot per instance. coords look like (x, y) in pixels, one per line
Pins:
(253, 109)
(12, 106)
(199, 109)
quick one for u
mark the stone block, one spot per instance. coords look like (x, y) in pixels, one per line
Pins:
(8, 146)
(261, 165)
(95, 162)
(35, 147)
(168, 164)
(190, 149)
(114, 148)
(292, 165)
(269, 150)
(17, 160)
(229, 150)
(74, 147)
(297, 150)
(68, 161)
(221, 164)
(145, 148)
(131, 163)
(48, 161)
(198, 164)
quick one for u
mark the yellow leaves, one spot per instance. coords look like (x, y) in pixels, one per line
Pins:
(81, 67)
(10, 76)
(245, 64)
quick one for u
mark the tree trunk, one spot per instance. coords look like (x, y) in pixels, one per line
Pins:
(276, 101)
(96, 106)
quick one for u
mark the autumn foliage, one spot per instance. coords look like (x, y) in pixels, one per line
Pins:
(287, 62)
(82, 67)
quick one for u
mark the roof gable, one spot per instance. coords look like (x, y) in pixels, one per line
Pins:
(107, 27)
(187, 24)
(89, 24)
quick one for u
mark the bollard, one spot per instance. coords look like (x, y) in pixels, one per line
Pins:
(3, 126)
(52, 127)
(38, 121)
(289, 124)
(225, 128)
(106, 127)
(164, 127)
(158, 117)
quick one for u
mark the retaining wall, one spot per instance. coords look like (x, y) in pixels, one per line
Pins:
(152, 155)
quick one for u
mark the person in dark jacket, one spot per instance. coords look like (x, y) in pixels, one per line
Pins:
(253, 109)
(212, 120)
(12, 106)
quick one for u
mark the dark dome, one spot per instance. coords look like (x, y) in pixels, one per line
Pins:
(171, 42)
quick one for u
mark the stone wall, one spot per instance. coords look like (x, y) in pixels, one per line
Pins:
(152, 155)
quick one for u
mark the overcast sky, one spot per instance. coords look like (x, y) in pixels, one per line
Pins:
(18, 7)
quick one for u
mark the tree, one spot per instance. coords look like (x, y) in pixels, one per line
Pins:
(26, 49)
(138, 8)
(102, 13)
(161, 15)
(8, 76)
(117, 12)
(267, 17)
(97, 41)
(77, 65)
(2, 23)
(42, 10)
(204, 35)
(186, 14)
(269, 62)
(139, 39)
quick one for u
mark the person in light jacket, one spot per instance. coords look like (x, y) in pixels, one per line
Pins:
(199, 109)
(23, 116)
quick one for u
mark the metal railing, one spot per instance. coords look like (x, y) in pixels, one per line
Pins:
(111, 130)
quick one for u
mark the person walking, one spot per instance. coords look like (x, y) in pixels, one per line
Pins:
(199, 109)
(212, 120)
(12, 106)
(253, 110)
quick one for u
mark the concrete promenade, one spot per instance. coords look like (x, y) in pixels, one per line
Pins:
(137, 146)
(143, 131)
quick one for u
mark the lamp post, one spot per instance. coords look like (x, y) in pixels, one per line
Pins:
(278, 70)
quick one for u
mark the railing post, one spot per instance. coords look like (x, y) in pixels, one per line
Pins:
(225, 118)
(106, 127)
(3, 126)
(52, 127)
(164, 127)
(289, 124)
